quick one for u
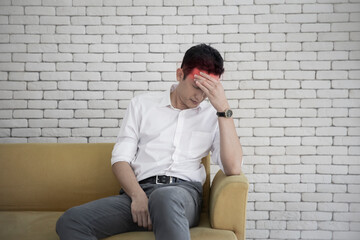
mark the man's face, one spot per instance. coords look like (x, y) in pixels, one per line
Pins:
(189, 93)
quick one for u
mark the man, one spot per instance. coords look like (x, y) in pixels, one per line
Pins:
(157, 157)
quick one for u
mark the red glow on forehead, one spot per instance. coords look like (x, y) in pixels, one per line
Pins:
(197, 71)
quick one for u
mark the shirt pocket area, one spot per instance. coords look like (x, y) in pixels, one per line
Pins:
(200, 144)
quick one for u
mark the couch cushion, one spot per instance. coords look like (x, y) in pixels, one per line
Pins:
(29, 225)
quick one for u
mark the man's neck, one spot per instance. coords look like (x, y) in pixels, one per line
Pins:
(175, 101)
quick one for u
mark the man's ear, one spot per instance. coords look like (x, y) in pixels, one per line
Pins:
(179, 74)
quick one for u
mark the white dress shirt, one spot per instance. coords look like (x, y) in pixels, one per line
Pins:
(157, 139)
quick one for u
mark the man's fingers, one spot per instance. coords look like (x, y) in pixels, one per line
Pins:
(134, 216)
(208, 77)
(149, 223)
(144, 217)
(202, 87)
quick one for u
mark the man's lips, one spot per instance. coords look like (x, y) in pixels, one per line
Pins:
(194, 102)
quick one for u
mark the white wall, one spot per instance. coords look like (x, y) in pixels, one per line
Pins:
(68, 69)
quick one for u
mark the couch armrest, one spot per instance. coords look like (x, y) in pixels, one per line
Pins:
(228, 198)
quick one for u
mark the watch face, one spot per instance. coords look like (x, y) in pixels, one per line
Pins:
(228, 113)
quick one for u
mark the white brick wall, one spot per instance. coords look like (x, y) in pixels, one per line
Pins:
(69, 68)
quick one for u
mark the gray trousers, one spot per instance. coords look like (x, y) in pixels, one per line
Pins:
(173, 208)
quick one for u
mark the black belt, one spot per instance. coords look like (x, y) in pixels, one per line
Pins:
(162, 179)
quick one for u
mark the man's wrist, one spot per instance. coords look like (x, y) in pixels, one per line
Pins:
(226, 114)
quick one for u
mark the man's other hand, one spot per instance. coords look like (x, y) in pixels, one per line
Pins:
(140, 211)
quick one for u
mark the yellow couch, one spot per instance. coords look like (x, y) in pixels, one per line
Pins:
(39, 181)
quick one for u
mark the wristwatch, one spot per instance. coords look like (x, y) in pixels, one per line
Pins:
(227, 114)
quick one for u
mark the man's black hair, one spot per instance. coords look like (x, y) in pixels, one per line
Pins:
(203, 57)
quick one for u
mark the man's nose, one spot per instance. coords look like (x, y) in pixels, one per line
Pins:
(200, 96)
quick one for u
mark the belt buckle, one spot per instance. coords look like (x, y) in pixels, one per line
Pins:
(157, 180)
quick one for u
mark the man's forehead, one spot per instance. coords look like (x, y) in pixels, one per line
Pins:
(197, 72)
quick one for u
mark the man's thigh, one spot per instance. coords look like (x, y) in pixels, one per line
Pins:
(174, 201)
(105, 217)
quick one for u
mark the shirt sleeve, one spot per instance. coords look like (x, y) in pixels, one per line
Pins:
(127, 140)
(215, 150)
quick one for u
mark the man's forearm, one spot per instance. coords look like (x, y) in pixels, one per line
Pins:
(127, 179)
(139, 205)
(230, 147)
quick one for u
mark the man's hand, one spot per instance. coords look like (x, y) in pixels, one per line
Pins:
(140, 211)
(213, 89)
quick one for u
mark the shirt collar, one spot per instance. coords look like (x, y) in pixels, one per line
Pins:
(166, 100)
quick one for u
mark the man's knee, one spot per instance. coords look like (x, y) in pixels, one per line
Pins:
(68, 222)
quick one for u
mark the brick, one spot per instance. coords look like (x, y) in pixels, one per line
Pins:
(12, 48)
(70, 11)
(316, 216)
(317, 234)
(285, 234)
(86, 132)
(101, 11)
(223, 29)
(100, 29)
(28, 95)
(42, 104)
(253, 28)
(73, 48)
(222, 10)
(301, 18)
(88, 95)
(131, 10)
(265, 224)
(270, 18)
(14, 123)
(333, 17)
(290, 46)
(38, 10)
(70, 66)
(102, 104)
(256, 47)
(103, 123)
(25, 3)
(346, 46)
(270, 37)
(284, 216)
(73, 123)
(232, 19)
(118, 95)
(161, 11)
(57, 57)
(147, 20)
(71, 104)
(333, 36)
(301, 56)
(41, 123)
(300, 206)
(24, 19)
(304, 75)
(178, 39)
(55, 38)
(346, 84)
(204, 38)
(26, 132)
(11, 10)
(263, 206)
(340, 27)
(336, 226)
(58, 114)
(83, 20)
